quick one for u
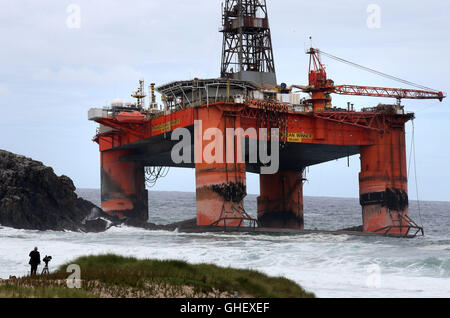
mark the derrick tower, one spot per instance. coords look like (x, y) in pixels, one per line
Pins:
(247, 44)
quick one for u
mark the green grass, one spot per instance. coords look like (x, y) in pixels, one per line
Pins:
(11, 290)
(118, 276)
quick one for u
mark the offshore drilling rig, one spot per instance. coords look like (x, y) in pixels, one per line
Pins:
(136, 142)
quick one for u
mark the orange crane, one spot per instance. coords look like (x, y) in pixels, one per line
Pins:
(320, 87)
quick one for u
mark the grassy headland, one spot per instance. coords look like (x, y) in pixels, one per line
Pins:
(116, 276)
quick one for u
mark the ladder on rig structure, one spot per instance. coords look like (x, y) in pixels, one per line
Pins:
(233, 215)
(410, 225)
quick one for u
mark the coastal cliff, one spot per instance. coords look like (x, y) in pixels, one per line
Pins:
(33, 197)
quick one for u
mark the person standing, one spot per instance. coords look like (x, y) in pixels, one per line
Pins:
(35, 260)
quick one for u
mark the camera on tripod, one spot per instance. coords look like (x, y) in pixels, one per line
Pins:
(46, 260)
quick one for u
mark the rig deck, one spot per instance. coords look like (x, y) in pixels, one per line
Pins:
(276, 133)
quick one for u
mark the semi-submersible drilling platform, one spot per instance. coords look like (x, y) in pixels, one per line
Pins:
(136, 141)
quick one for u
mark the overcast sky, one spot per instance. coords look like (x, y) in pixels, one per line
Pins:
(50, 74)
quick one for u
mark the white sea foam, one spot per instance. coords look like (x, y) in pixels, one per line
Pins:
(328, 265)
(436, 247)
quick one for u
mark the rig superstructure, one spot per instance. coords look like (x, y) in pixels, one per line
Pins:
(136, 141)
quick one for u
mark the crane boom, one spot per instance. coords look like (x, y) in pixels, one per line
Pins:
(399, 93)
(320, 87)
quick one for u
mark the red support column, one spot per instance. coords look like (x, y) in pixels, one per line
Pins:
(383, 182)
(123, 186)
(220, 194)
(280, 204)
(221, 185)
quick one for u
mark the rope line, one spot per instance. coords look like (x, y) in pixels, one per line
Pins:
(377, 72)
(413, 149)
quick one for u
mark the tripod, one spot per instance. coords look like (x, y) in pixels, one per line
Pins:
(45, 270)
(46, 260)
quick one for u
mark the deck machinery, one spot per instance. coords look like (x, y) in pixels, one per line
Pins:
(133, 137)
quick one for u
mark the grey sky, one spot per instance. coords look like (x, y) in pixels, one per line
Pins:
(51, 75)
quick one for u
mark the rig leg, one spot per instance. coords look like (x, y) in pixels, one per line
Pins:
(220, 195)
(221, 185)
(384, 184)
(280, 204)
(123, 187)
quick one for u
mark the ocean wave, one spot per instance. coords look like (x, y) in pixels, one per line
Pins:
(444, 247)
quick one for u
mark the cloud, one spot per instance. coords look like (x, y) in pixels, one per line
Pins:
(80, 75)
(5, 90)
(63, 71)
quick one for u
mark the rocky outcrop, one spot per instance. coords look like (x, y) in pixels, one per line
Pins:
(33, 197)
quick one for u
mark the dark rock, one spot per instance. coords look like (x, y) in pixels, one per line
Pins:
(148, 226)
(96, 225)
(358, 228)
(33, 197)
(187, 224)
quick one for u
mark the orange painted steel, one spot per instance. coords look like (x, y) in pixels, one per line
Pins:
(123, 186)
(320, 86)
(383, 182)
(280, 204)
(398, 93)
(220, 187)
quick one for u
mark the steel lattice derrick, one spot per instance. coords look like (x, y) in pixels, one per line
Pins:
(247, 43)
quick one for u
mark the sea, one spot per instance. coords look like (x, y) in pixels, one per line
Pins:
(331, 266)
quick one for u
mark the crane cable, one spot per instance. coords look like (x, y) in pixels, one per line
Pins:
(411, 155)
(428, 107)
(377, 72)
(413, 147)
(152, 174)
